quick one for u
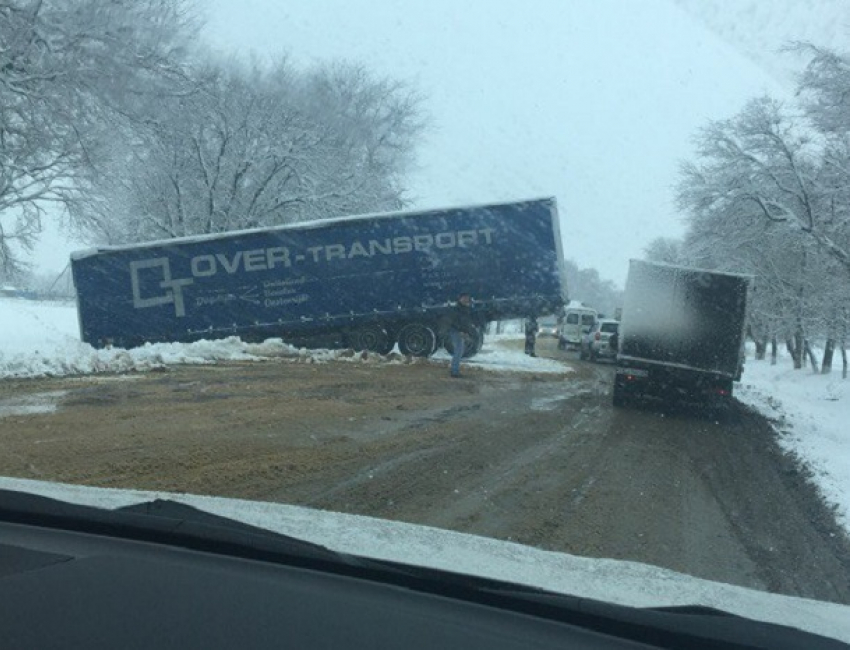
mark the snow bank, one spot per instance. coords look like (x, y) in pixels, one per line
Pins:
(41, 340)
(812, 414)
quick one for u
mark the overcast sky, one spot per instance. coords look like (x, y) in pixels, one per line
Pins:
(594, 102)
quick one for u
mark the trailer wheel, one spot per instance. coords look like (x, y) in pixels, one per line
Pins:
(369, 337)
(391, 336)
(387, 347)
(417, 339)
(477, 343)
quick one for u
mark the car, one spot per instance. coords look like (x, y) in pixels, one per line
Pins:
(548, 327)
(601, 340)
(577, 322)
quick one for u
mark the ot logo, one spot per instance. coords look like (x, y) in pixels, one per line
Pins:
(173, 288)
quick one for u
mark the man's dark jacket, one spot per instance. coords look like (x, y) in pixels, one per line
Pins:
(460, 319)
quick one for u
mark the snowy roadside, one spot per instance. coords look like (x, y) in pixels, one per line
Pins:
(41, 340)
(811, 412)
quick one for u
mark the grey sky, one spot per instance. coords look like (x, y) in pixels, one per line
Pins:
(592, 101)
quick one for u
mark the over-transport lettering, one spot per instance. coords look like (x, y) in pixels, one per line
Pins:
(263, 259)
(260, 259)
(400, 245)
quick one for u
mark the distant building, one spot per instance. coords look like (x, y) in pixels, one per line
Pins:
(13, 292)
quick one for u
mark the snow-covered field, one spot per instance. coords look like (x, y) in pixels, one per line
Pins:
(40, 339)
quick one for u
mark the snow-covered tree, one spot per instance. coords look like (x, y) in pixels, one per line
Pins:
(823, 88)
(586, 285)
(764, 164)
(666, 250)
(768, 194)
(66, 68)
(257, 146)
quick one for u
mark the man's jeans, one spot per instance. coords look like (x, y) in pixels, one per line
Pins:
(457, 350)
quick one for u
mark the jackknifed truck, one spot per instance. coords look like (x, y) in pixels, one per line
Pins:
(367, 282)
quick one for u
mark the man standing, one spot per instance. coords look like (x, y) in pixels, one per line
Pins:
(530, 335)
(461, 325)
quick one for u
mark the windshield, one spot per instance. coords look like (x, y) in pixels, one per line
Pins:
(294, 253)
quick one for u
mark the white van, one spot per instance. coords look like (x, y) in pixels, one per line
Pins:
(576, 322)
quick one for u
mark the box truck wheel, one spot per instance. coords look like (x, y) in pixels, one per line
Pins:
(619, 394)
(368, 337)
(417, 339)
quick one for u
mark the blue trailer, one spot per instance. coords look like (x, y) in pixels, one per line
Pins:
(366, 282)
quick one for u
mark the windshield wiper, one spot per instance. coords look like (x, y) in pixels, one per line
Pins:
(170, 523)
